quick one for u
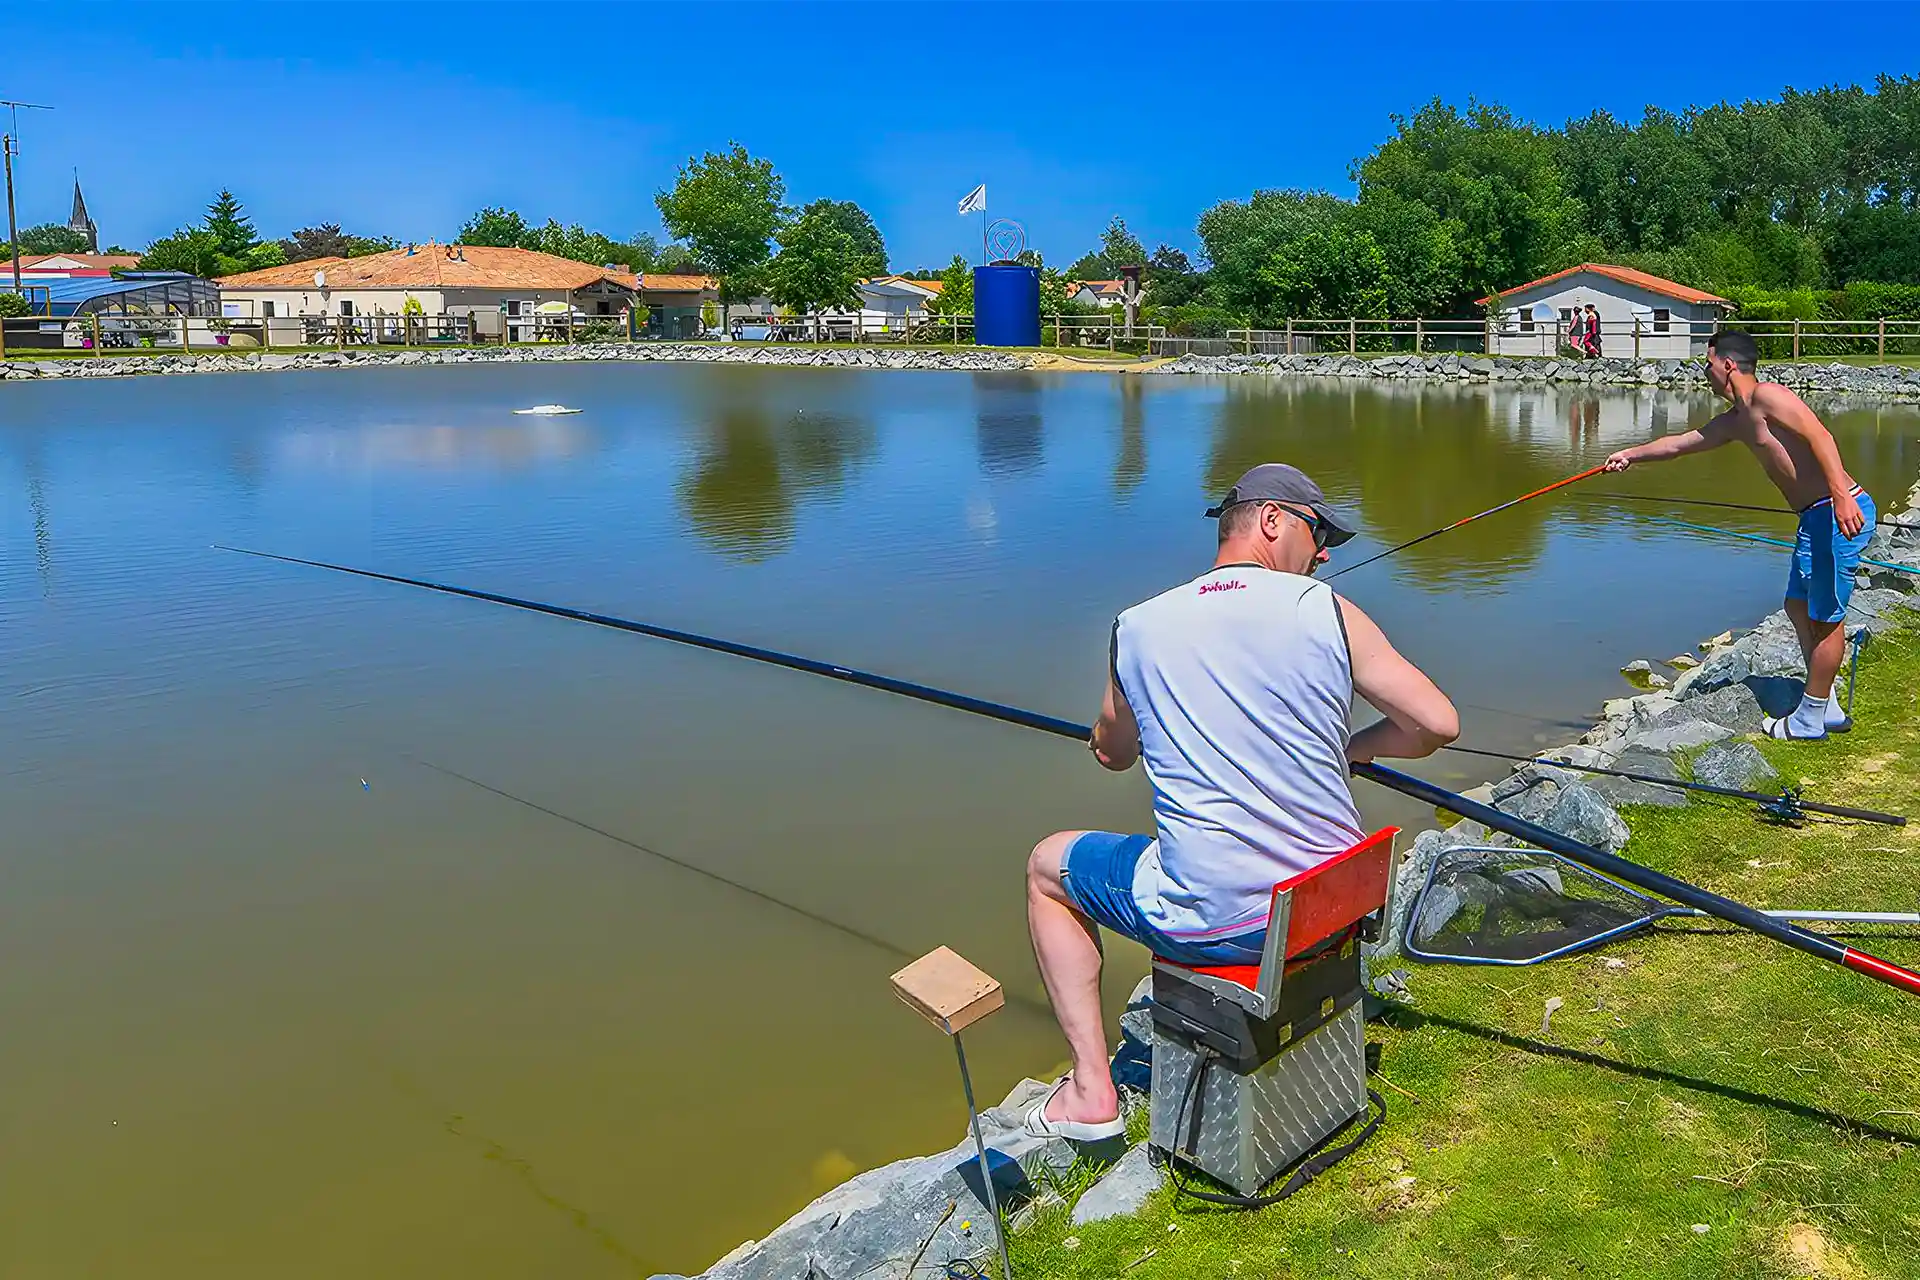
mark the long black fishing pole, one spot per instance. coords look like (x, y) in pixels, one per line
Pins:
(1784, 803)
(1619, 868)
(1887, 521)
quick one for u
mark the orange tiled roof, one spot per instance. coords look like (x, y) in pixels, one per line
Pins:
(434, 266)
(931, 286)
(1625, 275)
(662, 283)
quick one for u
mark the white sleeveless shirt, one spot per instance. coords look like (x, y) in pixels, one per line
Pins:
(1241, 682)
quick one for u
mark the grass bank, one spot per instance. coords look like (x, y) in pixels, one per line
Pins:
(1702, 1104)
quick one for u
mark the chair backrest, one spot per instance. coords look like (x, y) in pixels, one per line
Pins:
(1341, 891)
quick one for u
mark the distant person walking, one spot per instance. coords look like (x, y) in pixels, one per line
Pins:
(1577, 332)
(1593, 331)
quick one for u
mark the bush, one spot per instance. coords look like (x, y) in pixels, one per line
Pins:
(12, 304)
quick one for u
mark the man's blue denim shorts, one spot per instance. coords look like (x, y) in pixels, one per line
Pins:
(1098, 872)
(1824, 560)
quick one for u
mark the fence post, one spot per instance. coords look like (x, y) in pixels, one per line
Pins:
(1248, 340)
(186, 347)
(1489, 333)
(1883, 337)
(1636, 337)
(1796, 337)
(266, 332)
(1289, 336)
(94, 316)
(1353, 336)
(3, 337)
(1419, 335)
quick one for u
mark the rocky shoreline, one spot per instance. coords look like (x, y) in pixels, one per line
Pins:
(916, 1215)
(1891, 381)
(1884, 381)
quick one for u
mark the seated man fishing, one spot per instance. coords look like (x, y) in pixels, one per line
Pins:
(1235, 689)
(1836, 515)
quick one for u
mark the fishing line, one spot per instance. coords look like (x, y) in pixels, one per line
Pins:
(1692, 895)
(838, 927)
(1775, 542)
(1787, 800)
(1887, 521)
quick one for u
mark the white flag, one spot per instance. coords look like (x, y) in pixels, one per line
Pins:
(975, 200)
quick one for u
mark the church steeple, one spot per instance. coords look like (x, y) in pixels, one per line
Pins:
(79, 221)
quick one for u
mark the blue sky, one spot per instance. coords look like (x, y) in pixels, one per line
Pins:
(402, 119)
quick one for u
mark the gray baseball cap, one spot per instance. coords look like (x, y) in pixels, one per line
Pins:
(1278, 482)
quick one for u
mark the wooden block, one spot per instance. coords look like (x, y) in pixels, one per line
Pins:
(946, 990)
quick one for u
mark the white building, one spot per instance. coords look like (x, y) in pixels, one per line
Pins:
(1640, 314)
(1097, 293)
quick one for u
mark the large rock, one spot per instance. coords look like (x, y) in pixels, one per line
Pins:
(1733, 707)
(1734, 764)
(1619, 791)
(1580, 814)
(1678, 737)
(1122, 1189)
(932, 1208)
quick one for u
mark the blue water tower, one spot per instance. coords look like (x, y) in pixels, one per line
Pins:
(1006, 305)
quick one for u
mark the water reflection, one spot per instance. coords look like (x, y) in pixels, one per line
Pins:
(1469, 449)
(1007, 424)
(390, 445)
(749, 472)
(1130, 467)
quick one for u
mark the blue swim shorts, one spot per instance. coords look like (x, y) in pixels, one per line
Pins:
(1098, 872)
(1824, 559)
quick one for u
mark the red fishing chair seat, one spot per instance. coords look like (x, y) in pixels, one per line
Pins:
(1314, 913)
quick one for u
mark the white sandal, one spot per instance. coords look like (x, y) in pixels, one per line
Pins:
(1038, 1125)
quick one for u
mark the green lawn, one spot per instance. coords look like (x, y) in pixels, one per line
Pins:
(1703, 1104)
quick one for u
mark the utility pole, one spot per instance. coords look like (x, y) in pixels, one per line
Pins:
(10, 144)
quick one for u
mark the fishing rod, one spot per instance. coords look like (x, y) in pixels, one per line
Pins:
(1414, 542)
(1785, 807)
(1619, 868)
(1887, 521)
(1775, 542)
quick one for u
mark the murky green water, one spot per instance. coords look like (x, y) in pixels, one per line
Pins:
(468, 1018)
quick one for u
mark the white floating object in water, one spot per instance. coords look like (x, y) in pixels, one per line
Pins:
(548, 410)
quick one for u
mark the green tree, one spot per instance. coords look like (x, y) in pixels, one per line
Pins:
(13, 304)
(52, 237)
(1294, 253)
(1118, 248)
(1495, 179)
(858, 225)
(1874, 242)
(500, 228)
(726, 205)
(227, 220)
(677, 259)
(327, 240)
(819, 265)
(194, 250)
(956, 288)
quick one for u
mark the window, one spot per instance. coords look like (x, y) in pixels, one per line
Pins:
(603, 307)
(1526, 322)
(1661, 317)
(346, 308)
(513, 307)
(266, 310)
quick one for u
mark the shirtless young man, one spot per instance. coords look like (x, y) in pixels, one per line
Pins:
(1836, 515)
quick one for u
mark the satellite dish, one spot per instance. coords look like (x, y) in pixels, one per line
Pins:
(319, 279)
(1544, 311)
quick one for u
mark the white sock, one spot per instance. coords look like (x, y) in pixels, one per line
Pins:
(1836, 714)
(1809, 719)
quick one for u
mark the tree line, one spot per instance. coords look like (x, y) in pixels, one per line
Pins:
(1808, 203)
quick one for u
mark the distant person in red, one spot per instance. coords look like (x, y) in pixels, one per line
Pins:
(1577, 332)
(1593, 331)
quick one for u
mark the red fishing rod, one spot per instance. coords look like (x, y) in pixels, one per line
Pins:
(1414, 542)
(1619, 868)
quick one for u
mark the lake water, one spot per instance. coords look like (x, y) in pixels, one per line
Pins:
(347, 928)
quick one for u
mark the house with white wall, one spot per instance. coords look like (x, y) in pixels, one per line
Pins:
(1097, 293)
(1640, 314)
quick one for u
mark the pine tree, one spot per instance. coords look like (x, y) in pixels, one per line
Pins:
(231, 226)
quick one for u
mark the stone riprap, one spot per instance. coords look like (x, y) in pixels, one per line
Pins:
(1888, 381)
(1882, 381)
(696, 352)
(878, 1223)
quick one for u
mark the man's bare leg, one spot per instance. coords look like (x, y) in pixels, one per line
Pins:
(1824, 646)
(1067, 945)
